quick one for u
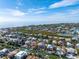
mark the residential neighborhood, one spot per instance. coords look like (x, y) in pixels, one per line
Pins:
(40, 42)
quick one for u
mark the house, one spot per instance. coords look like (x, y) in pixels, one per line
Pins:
(21, 55)
(68, 39)
(71, 52)
(4, 52)
(13, 53)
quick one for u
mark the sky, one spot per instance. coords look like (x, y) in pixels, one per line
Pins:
(33, 12)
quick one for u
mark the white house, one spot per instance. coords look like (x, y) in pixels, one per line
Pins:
(20, 55)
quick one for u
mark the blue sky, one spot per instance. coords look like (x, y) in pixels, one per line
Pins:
(28, 12)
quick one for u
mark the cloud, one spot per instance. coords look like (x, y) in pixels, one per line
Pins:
(19, 2)
(6, 19)
(39, 12)
(16, 13)
(74, 12)
(36, 10)
(70, 16)
(10, 17)
(63, 3)
(1, 19)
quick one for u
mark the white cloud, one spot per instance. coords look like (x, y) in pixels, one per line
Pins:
(16, 13)
(63, 3)
(39, 12)
(10, 18)
(74, 12)
(36, 10)
(11, 15)
(19, 2)
(6, 19)
(70, 16)
(1, 19)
